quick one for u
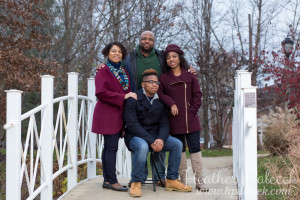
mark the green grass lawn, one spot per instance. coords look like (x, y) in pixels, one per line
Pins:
(265, 184)
(2, 176)
(2, 151)
(2, 164)
(213, 152)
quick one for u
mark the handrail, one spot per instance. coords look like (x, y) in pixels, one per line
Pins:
(65, 135)
(9, 125)
(37, 191)
(33, 111)
(63, 98)
(85, 98)
(84, 161)
(62, 170)
(39, 108)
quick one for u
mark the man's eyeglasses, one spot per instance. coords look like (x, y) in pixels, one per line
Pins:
(152, 82)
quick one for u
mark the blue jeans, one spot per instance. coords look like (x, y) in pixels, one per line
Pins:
(140, 149)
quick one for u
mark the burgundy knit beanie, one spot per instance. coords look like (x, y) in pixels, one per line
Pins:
(173, 48)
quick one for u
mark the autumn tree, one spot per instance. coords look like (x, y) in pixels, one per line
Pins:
(282, 66)
(285, 72)
(23, 48)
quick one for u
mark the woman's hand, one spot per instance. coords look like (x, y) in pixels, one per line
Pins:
(174, 110)
(192, 70)
(130, 94)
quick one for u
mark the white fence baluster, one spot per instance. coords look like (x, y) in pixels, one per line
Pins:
(91, 166)
(47, 137)
(73, 128)
(13, 144)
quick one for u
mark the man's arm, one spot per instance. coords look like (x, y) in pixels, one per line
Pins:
(128, 68)
(132, 123)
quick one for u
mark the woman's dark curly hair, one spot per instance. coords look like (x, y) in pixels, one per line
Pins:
(107, 48)
(183, 63)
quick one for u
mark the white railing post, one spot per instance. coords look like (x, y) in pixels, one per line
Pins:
(73, 129)
(234, 133)
(13, 144)
(91, 166)
(245, 140)
(233, 138)
(47, 137)
(244, 80)
(250, 143)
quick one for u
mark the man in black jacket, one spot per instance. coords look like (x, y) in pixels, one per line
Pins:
(147, 128)
(144, 57)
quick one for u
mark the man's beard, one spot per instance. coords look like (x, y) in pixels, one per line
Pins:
(146, 50)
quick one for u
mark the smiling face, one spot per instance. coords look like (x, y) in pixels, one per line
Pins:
(150, 88)
(147, 41)
(115, 54)
(173, 60)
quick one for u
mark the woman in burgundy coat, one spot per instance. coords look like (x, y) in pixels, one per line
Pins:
(112, 88)
(180, 91)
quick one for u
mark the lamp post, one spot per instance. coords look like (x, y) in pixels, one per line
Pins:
(287, 45)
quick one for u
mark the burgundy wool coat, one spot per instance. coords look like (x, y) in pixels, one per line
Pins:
(184, 91)
(108, 113)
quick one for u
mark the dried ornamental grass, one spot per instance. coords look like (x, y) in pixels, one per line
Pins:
(287, 164)
(278, 124)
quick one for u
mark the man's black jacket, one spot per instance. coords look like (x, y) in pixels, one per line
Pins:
(149, 122)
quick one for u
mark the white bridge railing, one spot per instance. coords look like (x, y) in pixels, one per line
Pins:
(64, 141)
(244, 138)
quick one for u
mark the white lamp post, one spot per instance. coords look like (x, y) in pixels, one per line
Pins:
(287, 45)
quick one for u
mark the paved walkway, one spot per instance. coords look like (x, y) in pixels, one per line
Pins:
(218, 177)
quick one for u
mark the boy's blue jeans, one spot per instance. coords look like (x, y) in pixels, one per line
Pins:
(140, 149)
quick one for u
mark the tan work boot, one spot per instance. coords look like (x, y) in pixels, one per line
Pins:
(176, 185)
(135, 189)
(183, 169)
(196, 159)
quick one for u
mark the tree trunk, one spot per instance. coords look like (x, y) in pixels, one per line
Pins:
(206, 19)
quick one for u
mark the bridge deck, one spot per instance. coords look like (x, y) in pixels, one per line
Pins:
(218, 173)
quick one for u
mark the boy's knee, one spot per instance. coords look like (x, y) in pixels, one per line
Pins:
(143, 148)
(177, 143)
